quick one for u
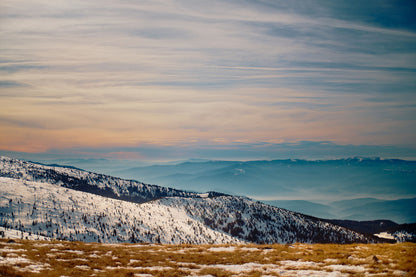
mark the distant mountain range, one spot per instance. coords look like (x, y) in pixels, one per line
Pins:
(349, 179)
(67, 203)
(401, 210)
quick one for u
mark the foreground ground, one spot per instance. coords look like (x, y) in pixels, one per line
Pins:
(59, 258)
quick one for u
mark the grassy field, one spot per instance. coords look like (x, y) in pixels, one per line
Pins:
(60, 258)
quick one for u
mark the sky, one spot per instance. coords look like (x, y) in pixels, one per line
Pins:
(208, 79)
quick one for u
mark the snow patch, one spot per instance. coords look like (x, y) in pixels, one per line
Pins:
(399, 273)
(384, 235)
(222, 249)
(350, 268)
(299, 264)
(9, 233)
(83, 267)
(24, 264)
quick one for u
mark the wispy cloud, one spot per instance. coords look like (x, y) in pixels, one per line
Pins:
(11, 84)
(105, 73)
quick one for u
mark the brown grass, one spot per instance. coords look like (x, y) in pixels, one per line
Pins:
(86, 259)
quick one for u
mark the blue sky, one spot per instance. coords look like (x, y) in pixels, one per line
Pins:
(120, 79)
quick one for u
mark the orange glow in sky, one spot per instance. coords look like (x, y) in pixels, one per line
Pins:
(84, 74)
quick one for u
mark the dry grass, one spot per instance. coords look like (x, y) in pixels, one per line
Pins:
(57, 258)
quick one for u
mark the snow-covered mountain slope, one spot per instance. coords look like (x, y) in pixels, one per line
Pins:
(256, 222)
(62, 213)
(16, 234)
(86, 181)
(72, 204)
(400, 233)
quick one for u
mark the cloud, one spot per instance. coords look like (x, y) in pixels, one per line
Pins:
(132, 73)
(11, 84)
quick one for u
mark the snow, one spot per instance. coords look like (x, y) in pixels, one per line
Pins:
(299, 264)
(238, 268)
(331, 260)
(132, 261)
(241, 216)
(11, 250)
(253, 249)
(156, 268)
(402, 236)
(222, 249)
(78, 252)
(384, 235)
(399, 273)
(34, 268)
(353, 268)
(69, 177)
(62, 213)
(152, 268)
(311, 273)
(14, 260)
(24, 264)
(399, 236)
(16, 234)
(83, 267)
(284, 270)
(41, 200)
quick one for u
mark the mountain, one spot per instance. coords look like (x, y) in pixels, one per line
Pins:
(72, 204)
(399, 210)
(288, 179)
(104, 166)
(400, 233)
(304, 207)
(350, 178)
(381, 228)
(81, 180)
(366, 227)
(108, 166)
(58, 212)
(356, 202)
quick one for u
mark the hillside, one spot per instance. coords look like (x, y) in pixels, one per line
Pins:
(290, 179)
(366, 227)
(52, 201)
(62, 213)
(81, 180)
(256, 222)
(401, 233)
